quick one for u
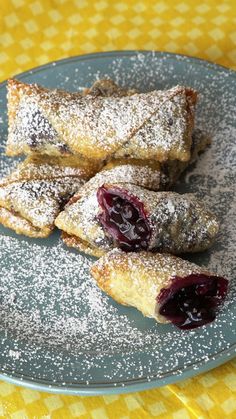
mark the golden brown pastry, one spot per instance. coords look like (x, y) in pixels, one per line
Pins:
(133, 218)
(149, 174)
(153, 126)
(161, 286)
(33, 195)
(59, 177)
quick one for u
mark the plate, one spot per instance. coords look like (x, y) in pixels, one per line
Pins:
(58, 331)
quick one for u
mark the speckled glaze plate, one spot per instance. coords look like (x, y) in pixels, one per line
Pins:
(58, 331)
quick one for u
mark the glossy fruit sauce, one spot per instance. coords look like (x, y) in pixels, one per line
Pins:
(188, 302)
(124, 218)
(192, 301)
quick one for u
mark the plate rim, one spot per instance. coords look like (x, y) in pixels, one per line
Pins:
(122, 387)
(135, 384)
(94, 55)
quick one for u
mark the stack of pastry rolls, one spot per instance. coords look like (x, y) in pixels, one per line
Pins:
(33, 195)
(99, 166)
(69, 137)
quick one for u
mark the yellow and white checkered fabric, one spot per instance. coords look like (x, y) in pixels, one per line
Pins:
(210, 395)
(33, 32)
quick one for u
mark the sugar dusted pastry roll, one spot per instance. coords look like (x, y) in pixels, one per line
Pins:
(133, 218)
(139, 219)
(32, 195)
(161, 286)
(149, 174)
(146, 173)
(153, 126)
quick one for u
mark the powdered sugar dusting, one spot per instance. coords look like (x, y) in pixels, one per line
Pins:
(158, 123)
(171, 231)
(65, 329)
(35, 192)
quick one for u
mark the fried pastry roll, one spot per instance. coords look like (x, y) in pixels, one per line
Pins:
(146, 173)
(133, 218)
(161, 286)
(32, 196)
(101, 125)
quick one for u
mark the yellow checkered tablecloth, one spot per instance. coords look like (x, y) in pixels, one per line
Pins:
(33, 32)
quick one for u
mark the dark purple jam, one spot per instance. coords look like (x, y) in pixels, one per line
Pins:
(192, 301)
(124, 218)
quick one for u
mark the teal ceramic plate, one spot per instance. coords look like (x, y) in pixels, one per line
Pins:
(58, 331)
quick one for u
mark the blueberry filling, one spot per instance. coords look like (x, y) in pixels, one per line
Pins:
(192, 301)
(123, 217)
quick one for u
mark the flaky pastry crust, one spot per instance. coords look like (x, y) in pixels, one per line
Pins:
(157, 125)
(136, 279)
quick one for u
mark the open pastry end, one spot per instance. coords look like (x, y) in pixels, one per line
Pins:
(162, 286)
(137, 219)
(191, 301)
(123, 216)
